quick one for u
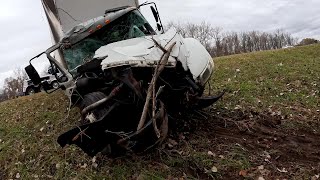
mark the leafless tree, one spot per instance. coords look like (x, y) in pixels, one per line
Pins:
(14, 85)
(219, 43)
(308, 41)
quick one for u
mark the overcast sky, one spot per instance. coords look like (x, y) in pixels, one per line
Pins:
(24, 30)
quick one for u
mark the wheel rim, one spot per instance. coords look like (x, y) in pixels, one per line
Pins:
(31, 91)
(55, 85)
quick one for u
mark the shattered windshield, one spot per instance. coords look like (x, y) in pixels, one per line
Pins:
(130, 25)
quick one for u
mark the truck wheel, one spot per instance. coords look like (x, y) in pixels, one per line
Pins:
(55, 85)
(41, 89)
(30, 91)
(91, 98)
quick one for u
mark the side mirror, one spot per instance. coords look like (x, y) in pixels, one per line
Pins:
(155, 13)
(33, 74)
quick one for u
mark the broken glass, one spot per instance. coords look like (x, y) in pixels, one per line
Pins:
(128, 26)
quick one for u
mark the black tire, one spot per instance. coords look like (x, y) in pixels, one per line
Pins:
(41, 89)
(55, 85)
(30, 91)
(91, 98)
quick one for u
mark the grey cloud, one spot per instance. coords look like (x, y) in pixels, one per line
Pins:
(240, 15)
(23, 34)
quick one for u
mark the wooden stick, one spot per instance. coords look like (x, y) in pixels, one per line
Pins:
(154, 120)
(157, 72)
(161, 47)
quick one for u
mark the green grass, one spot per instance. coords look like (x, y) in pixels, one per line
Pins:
(284, 80)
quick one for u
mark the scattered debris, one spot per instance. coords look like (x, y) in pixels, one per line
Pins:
(243, 173)
(95, 165)
(18, 176)
(35, 176)
(94, 159)
(315, 177)
(266, 155)
(172, 143)
(210, 153)
(214, 169)
(84, 166)
(261, 167)
(237, 107)
(283, 170)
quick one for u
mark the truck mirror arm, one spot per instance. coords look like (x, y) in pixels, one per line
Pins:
(55, 62)
(36, 57)
(64, 71)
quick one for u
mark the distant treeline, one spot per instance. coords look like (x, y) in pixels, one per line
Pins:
(13, 86)
(220, 43)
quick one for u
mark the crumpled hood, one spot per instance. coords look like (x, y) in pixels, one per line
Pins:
(138, 51)
(143, 52)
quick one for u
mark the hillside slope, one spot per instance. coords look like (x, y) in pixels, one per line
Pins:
(267, 125)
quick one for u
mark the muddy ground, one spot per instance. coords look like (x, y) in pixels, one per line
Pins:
(246, 145)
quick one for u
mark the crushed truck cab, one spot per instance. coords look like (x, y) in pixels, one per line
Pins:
(143, 52)
(128, 80)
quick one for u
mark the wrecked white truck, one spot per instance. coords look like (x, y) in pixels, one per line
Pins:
(128, 80)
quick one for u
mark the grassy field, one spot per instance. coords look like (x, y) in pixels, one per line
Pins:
(267, 125)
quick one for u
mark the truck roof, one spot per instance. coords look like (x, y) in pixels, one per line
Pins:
(85, 29)
(63, 15)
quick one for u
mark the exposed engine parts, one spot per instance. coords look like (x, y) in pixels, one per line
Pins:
(133, 116)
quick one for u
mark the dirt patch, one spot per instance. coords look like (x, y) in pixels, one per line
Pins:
(249, 145)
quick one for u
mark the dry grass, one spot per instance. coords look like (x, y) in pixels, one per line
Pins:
(283, 83)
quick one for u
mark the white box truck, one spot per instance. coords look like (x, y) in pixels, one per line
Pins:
(126, 78)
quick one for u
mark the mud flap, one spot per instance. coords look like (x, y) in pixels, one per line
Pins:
(91, 138)
(203, 102)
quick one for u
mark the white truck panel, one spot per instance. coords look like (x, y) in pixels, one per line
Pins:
(138, 51)
(142, 52)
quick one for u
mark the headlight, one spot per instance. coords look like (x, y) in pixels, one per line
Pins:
(206, 74)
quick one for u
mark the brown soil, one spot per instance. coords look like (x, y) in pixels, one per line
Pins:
(260, 139)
